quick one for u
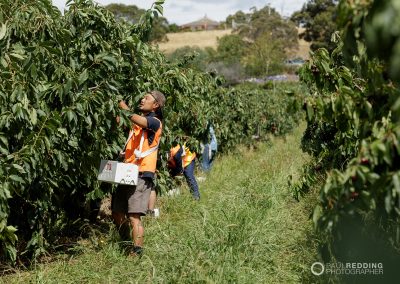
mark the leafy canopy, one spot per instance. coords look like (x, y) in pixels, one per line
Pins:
(318, 17)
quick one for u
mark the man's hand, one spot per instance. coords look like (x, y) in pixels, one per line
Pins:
(123, 105)
(137, 119)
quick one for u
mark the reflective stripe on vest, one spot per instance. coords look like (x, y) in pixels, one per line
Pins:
(139, 154)
(138, 150)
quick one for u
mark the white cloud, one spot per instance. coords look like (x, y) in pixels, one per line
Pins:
(183, 11)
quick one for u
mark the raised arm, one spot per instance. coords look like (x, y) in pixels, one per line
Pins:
(135, 118)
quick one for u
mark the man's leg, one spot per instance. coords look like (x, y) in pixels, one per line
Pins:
(152, 201)
(137, 206)
(188, 172)
(137, 229)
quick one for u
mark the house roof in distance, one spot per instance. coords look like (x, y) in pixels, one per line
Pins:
(203, 21)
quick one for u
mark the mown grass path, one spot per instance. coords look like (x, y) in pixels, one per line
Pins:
(246, 229)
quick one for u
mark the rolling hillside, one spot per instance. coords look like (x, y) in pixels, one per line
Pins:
(205, 39)
(201, 39)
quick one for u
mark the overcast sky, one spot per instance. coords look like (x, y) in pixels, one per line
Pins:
(184, 11)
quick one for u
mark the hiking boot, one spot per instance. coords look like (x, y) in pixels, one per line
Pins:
(125, 246)
(150, 213)
(136, 251)
(153, 213)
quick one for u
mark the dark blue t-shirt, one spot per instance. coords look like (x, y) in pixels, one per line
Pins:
(153, 124)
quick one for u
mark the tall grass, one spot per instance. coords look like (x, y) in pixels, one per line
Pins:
(246, 229)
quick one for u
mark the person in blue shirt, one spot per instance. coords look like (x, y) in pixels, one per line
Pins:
(209, 150)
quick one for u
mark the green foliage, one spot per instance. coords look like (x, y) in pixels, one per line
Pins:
(252, 111)
(378, 27)
(62, 77)
(226, 60)
(261, 44)
(265, 56)
(268, 21)
(61, 83)
(129, 13)
(231, 48)
(239, 18)
(173, 28)
(318, 18)
(353, 120)
(192, 57)
(132, 14)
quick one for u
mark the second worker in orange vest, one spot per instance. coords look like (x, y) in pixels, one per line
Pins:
(181, 160)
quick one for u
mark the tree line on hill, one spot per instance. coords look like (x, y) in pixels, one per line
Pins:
(262, 41)
(132, 14)
(316, 16)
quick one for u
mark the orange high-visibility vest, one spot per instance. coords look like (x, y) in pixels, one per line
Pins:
(149, 162)
(187, 158)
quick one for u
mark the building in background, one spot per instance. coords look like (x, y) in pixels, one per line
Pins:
(202, 24)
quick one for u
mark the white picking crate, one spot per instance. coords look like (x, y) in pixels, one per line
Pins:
(118, 173)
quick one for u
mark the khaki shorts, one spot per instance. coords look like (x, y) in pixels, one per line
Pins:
(132, 199)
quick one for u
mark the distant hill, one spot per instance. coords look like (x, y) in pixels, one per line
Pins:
(201, 39)
(205, 39)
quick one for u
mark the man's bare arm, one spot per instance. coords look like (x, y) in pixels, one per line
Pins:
(135, 118)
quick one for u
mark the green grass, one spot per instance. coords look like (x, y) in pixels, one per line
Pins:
(246, 229)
